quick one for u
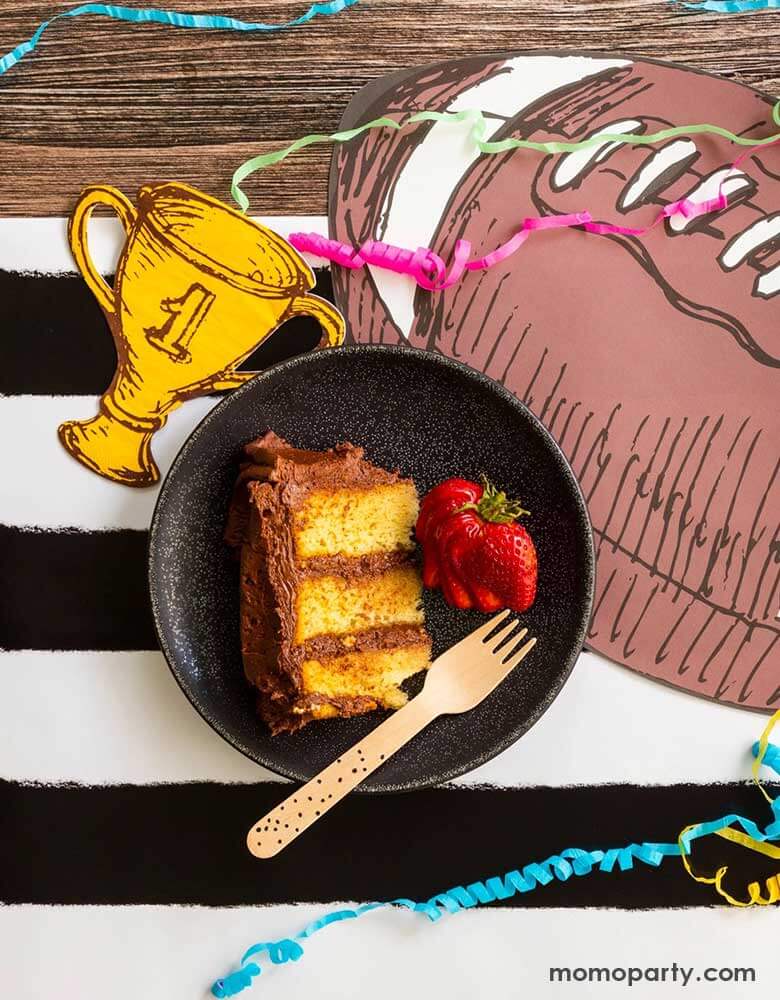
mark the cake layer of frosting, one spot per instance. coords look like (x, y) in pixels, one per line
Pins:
(390, 637)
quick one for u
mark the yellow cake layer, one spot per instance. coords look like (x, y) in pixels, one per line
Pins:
(353, 522)
(375, 673)
(331, 605)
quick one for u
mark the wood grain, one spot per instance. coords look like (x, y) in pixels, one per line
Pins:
(103, 101)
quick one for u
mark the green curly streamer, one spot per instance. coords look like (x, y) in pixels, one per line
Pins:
(479, 130)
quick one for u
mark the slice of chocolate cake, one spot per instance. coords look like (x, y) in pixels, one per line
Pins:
(331, 620)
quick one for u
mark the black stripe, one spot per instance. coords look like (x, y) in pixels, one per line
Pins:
(65, 590)
(186, 843)
(56, 342)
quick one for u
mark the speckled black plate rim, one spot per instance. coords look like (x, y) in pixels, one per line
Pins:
(350, 350)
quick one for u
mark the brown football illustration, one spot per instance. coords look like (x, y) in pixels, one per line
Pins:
(654, 361)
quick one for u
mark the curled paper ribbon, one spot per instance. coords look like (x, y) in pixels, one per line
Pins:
(770, 758)
(561, 867)
(750, 836)
(754, 889)
(425, 266)
(767, 754)
(136, 15)
(733, 6)
(478, 133)
(430, 271)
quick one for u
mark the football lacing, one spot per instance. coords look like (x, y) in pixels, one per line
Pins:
(663, 167)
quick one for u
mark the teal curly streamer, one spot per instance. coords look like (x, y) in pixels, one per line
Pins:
(771, 758)
(572, 862)
(733, 6)
(172, 17)
(236, 981)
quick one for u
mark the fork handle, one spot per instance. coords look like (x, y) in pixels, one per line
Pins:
(282, 825)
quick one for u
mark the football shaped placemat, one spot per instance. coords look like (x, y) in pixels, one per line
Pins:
(653, 361)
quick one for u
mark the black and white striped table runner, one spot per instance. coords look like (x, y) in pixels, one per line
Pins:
(125, 871)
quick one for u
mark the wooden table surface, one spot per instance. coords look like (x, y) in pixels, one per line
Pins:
(102, 101)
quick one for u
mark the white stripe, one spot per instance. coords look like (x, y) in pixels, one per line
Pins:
(607, 725)
(50, 489)
(41, 244)
(98, 717)
(175, 953)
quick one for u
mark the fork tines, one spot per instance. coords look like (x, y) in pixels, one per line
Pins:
(505, 636)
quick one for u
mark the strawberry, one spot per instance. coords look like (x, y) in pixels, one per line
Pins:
(445, 498)
(474, 549)
(502, 569)
(442, 501)
(452, 538)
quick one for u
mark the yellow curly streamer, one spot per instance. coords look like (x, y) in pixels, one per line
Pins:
(763, 743)
(755, 890)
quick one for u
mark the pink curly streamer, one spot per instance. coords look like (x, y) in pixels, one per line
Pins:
(430, 272)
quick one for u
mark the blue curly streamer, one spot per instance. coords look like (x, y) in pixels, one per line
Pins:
(572, 862)
(178, 20)
(563, 866)
(771, 758)
(733, 6)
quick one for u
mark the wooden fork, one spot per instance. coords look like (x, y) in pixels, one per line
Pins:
(456, 682)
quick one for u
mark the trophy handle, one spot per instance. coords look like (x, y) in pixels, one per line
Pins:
(90, 198)
(231, 380)
(329, 318)
(333, 329)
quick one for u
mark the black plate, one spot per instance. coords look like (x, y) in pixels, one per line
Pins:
(431, 418)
